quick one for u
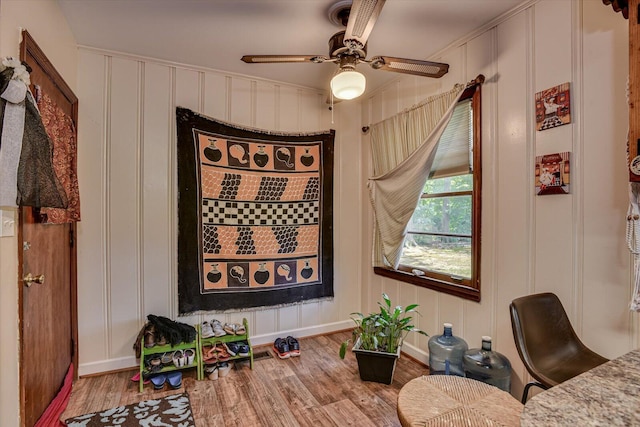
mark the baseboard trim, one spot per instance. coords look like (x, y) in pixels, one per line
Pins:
(130, 362)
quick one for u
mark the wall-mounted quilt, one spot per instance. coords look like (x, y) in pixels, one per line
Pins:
(255, 215)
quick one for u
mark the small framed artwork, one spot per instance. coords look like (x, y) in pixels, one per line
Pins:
(552, 174)
(553, 107)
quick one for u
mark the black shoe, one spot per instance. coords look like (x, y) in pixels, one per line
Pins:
(294, 346)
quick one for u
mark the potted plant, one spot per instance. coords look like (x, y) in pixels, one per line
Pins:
(378, 338)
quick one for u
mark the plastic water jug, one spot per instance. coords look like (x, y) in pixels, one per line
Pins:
(488, 366)
(446, 352)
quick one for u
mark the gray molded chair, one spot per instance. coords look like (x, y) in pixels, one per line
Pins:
(548, 346)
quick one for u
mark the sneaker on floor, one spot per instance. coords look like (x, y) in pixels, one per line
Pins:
(294, 346)
(281, 348)
(206, 330)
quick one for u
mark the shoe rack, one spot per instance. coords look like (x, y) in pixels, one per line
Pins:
(227, 339)
(162, 349)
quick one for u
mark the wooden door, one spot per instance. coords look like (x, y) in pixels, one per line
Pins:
(48, 310)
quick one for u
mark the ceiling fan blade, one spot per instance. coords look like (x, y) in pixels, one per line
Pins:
(263, 59)
(362, 17)
(409, 66)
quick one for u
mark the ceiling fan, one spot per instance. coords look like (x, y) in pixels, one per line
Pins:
(348, 48)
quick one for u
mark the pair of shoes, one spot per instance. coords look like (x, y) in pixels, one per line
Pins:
(183, 358)
(174, 378)
(219, 370)
(234, 329)
(281, 347)
(215, 353)
(136, 378)
(286, 347)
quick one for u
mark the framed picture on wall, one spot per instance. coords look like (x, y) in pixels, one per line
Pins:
(552, 174)
(553, 107)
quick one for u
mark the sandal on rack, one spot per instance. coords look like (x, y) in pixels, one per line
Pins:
(223, 354)
(209, 354)
(239, 329)
(230, 328)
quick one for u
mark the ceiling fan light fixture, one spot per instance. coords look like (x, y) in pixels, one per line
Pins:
(348, 84)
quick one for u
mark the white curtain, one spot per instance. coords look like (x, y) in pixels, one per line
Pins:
(403, 148)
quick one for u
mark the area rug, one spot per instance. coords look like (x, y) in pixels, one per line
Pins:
(170, 411)
(255, 215)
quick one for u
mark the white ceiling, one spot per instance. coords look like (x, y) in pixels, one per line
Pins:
(216, 33)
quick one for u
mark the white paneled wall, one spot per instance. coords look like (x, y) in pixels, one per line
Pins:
(571, 245)
(127, 239)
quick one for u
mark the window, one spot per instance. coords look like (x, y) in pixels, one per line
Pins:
(442, 246)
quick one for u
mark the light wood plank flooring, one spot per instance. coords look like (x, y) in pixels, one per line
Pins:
(315, 389)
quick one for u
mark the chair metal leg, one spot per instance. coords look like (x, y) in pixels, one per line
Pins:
(525, 393)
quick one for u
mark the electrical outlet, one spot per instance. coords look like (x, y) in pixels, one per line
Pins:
(7, 223)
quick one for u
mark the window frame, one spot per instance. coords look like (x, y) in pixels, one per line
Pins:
(464, 288)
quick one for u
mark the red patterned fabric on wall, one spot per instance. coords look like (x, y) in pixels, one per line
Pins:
(60, 128)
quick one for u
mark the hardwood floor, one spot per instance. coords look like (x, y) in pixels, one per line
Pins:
(315, 389)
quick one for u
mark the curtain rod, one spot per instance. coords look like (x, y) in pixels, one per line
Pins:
(477, 81)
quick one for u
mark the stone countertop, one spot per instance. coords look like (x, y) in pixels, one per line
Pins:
(608, 395)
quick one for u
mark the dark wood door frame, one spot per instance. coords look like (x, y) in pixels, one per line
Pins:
(30, 52)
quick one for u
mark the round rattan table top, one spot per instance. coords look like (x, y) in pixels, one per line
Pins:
(446, 400)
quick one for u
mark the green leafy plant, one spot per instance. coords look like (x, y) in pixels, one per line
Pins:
(382, 331)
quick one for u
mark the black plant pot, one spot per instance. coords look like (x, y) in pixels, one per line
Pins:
(376, 366)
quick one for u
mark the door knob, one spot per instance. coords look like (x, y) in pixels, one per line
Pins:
(30, 279)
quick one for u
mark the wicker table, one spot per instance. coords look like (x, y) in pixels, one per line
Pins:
(445, 400)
